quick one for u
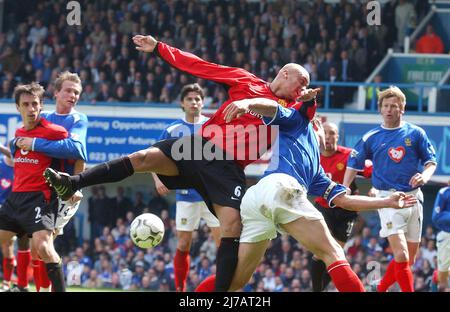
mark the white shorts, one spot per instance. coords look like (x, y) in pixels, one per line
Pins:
(402, 221)
(276, 199)
(443, 251)
(188, 216)
(66, 210)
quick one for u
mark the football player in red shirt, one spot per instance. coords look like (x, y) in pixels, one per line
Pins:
(31, 207)
(212, 161)
(333, 158)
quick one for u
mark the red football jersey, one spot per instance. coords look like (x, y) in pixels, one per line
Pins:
(334, 166)
(29, 165)
(245, 138)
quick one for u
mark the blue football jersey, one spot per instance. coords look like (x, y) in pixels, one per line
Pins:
(441, 211)
(178, 129)
(397, 154)
(297, 154)
(6, 178)
(72, 148)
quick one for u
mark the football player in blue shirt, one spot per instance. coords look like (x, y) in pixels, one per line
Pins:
(403, 160)
(441, 220)
(278, 202)
(190, 205)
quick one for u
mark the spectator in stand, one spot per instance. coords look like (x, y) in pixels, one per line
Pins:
(430, 42)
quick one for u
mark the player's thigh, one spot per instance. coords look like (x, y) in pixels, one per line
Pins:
(42, 240)
(7, 244)
(153, 160)
(250, 255)
(394, 221)
(187, 217)
(316, 237)
(257, 224)
(443, 251)
(415, 222)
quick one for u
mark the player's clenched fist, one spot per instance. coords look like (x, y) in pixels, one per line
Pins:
(145, 43)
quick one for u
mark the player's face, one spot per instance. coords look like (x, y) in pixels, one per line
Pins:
(331, 137)
(68, 96)
(295, 85)
(29, 108)
(192, 103)
(392, 110)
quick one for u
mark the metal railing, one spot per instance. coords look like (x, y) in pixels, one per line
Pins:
(361, 101)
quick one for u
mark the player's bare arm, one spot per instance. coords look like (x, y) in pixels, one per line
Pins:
(262, 106)
(349, 176)
(145, 43)
(397, 200)
(420, 179)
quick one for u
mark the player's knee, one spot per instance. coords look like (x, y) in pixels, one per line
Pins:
(138, 160)
(184, 243)
(232, 228)
(330, 252)
(401, 255)
(23, 243)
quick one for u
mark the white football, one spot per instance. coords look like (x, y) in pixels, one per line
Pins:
(147, 230)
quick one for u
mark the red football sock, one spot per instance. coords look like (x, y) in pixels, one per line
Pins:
(208, 284)
(181, 263)
(8, 268)
(35, 263)
(43, 277)
(23, 261)
(388, 278)
(344, 278)
(404, 276)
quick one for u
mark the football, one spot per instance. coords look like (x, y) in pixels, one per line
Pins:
(147, 230)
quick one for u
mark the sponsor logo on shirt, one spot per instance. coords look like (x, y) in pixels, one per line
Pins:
(397, 153)
(26, 160)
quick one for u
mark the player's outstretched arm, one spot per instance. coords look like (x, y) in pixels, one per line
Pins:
(397, 200)
(145, 43)
(191, 63)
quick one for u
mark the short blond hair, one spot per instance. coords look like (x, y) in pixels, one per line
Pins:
(392, 91)
(67, 75)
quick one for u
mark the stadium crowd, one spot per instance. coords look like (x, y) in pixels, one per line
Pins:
(332, 41)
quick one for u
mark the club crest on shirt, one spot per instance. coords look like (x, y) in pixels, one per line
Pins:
(389, 225)
(183, 221)
(282, 102)
(340, 166)
(5, 183)
(397, 153)
(408, 142)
